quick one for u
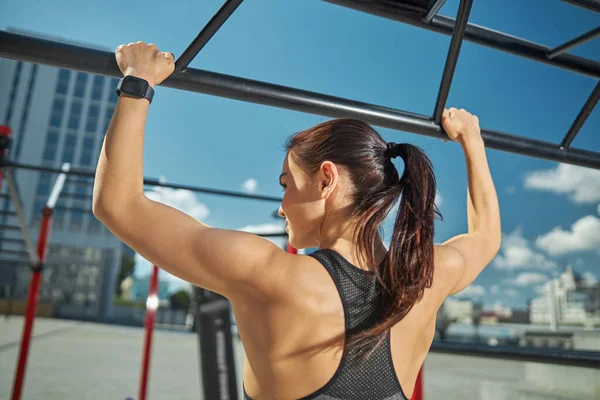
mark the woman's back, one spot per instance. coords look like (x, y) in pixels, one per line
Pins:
(286, 343)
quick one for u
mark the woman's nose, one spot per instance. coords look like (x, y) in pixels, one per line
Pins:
(281, 213)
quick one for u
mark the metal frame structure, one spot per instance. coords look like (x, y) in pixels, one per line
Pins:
(419, 13)
(36, 50)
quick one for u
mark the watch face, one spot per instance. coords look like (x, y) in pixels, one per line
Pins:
(133, 85)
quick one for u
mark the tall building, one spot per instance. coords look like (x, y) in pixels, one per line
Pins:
(565, 300)
(60, 116)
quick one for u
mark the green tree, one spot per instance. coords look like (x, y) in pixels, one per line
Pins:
(125, 270)
(180, 300)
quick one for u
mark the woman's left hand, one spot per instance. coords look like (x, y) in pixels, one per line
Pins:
(145, 61)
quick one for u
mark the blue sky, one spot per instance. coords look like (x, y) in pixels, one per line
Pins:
(548, 220)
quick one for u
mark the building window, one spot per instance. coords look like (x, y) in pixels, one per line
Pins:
(112, 90)
(75, 115)
(44, 184)
(86, 151)
(94, 226)
(63, 81)
(51, 146)
(76, 222)
(92, 118)
(80, 84)
(58, 219)
(97, 87)
(58, 108)
(69, 148)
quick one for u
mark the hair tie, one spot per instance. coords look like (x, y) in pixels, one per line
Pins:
(395, 150)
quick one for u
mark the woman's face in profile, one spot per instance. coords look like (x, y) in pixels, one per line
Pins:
(302, 205)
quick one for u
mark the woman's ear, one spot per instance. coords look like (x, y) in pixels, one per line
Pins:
(328, 178)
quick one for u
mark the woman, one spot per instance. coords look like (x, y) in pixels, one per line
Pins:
(350, 321)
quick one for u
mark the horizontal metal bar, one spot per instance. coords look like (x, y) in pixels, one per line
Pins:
(8, 213)
(592, 5)
(150, 182)
(579, 40)
(585, 112)
(433, 10)
(480, 35)
(464, 10)
(64, 55)
(572, 358)
(282, 234)
(207, 33)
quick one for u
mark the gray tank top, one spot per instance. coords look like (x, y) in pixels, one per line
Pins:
(374, 378)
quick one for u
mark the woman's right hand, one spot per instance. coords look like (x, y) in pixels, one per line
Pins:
(460, 125)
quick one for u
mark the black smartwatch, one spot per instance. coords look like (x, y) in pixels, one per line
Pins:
(135, 87)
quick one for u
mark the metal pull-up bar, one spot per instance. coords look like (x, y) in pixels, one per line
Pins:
(206, 34)
(42, 51)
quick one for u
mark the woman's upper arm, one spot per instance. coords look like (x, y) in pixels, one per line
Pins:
(224, 261)
(460, 260)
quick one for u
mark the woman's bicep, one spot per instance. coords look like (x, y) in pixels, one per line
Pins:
(219, 260)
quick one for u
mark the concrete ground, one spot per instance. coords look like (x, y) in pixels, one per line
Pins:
(74, 360)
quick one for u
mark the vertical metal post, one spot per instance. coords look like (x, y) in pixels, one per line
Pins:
(32, 301)
(215, 339)
(206, 33)
(151, 306)
(462, 20)
(585, 112)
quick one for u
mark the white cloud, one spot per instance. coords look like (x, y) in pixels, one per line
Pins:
(511, 293)
(471, 291)
(439, 199)
(495, 289)
(250, 186)
(589, 278)
(181, 199)
(266, 229)
(584, 235)
(529, 278)
(511, 189)
(582, 185)
(516, 253)
(263, 228)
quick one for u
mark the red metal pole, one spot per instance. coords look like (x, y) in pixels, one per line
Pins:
(5, 138)
(34, 288)
(151, 306)
(291, 250)
(418, 391)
